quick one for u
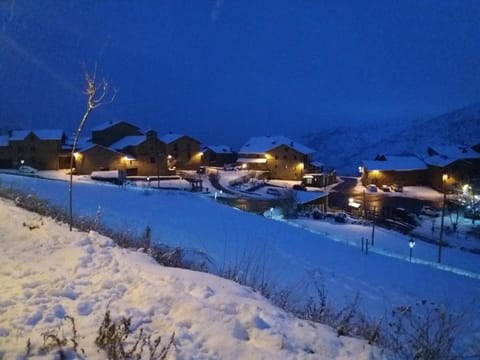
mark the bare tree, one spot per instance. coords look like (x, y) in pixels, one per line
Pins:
(96, 96)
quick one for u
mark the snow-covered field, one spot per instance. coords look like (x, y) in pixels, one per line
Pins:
(292, 254)
(48, 272)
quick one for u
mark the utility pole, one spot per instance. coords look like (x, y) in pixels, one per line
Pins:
(440, 243)
(373, 225)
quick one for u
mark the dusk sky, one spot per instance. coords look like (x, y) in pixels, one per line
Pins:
(223, 70)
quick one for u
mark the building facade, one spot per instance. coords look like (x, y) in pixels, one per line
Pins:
(40, 149)
(183, 152)
(393, 169)
(281, 157)
(145, 154)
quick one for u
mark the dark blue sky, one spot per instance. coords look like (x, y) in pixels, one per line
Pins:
(223, 71)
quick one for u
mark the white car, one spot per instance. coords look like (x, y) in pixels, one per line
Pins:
(430, 211)
(26, 169)
(372, 188)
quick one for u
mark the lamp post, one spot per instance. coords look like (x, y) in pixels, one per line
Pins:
(440, 243)
(411, 244)
(158, 170)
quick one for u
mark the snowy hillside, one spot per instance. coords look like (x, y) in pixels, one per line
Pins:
(48, 272)
(365, 141)
(295, 255)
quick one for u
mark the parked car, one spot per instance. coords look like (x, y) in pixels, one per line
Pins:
(340, 217)
(201, 170)
(230, 167)
(27, 169)
(300, 187)
(397, 188)
(385, 188)
(430, 211)
(372, 188)
(318, 215)
(401, 214)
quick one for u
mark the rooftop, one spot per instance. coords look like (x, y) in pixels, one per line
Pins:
(220, 149)
(445, 155)
(128, 141)
(42, 134)
(395, 163)
(169, 138)
(262, 144)
(109, 124)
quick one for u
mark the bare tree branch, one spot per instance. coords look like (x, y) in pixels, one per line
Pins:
(95, 99)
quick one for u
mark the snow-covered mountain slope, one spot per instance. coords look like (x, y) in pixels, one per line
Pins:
(344, 147)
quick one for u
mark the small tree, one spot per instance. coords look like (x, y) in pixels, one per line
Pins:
(96, 96)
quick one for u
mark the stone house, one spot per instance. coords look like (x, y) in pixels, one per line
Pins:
(146, 154)
(459, 163)
(183, 152)
(41, 149)
(218, 156)
(280, 156)
(98, 157)
(393, 169)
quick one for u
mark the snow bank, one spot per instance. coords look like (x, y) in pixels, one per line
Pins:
(49, 272)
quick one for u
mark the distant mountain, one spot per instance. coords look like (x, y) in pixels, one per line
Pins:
(344, 147)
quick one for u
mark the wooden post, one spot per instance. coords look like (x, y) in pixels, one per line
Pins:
(364, 205)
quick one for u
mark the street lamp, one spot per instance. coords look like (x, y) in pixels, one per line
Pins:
(411, 244)
(444, 180)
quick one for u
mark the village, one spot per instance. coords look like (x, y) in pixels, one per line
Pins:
(133, 152)
(270, 175)
(123, 146)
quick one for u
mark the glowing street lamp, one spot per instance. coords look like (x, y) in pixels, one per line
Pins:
(411, 244)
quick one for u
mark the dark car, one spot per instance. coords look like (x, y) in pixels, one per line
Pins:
(400, 214)
(397, 188)
(299, 187)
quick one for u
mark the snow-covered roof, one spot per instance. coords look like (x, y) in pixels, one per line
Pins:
(262, 144)
(109, 124)
(92, 145)
(3, 140)
(169, 138)
(219, 149)
(128, 141)
(445, 155)
(83, 142)
(304, 197)
(318, 164)
(42, 134)
(395, 163)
